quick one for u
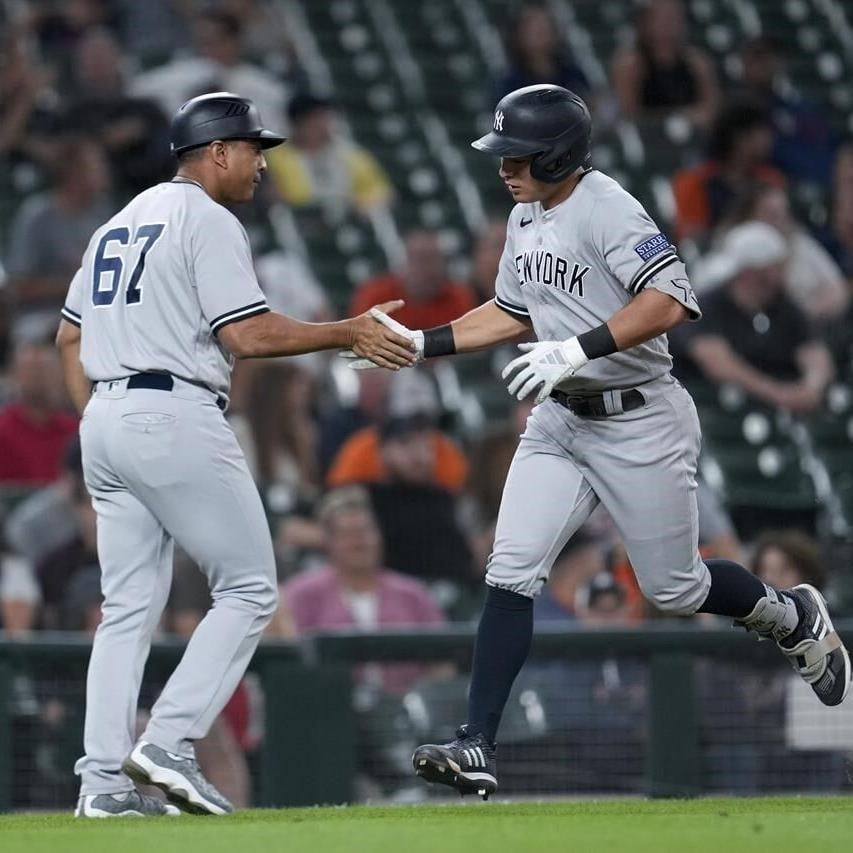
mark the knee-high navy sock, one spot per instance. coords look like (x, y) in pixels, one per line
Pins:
(734, 590)
(503, 641)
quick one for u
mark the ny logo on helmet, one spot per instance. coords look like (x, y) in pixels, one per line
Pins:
(499, 120)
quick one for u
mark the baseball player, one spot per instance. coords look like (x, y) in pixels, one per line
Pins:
(600, 285)
(164, 300)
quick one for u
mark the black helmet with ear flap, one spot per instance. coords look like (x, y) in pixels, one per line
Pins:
(547, 123)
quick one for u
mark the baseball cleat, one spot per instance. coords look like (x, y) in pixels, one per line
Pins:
(467, 763)
(128, 804)
(178, 777)
(814, 648)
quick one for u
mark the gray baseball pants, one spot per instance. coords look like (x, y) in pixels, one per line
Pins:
(640, 464)
(162, 467)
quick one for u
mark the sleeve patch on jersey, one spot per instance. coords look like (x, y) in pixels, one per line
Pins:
(511, 308)
(653, 246)
(72, 316)
(238, 314)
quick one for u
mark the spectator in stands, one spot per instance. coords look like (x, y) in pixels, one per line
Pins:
(812, 278)
(411, 401)
(839, 333)
(661, 73)
(45, 523)
(266, 38)
(281, 441)
(486, 258)
(802, 135)
(536, 53)
(23, 82)
(134, 131)
(218, 63)
(751, 334)
(839, 239)
(419, 517)
(355, 590)
(785, 558)
(321, 166)
(579, 563)
(361, 402)
(35, 429)
(57, 27)
(739, 150)
(51, 231)
(432, 298)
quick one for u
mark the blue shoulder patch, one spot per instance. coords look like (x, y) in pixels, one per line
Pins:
(652, 246)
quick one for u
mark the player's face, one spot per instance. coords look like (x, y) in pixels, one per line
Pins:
(522, 186)
(246, 165)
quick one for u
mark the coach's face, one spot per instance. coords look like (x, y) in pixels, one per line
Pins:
(244, 164)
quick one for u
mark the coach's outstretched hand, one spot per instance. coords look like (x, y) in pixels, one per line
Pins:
(380, 344)
(544, 365)
(414, 336)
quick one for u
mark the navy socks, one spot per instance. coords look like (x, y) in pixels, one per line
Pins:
(734, 590)
(503, 642)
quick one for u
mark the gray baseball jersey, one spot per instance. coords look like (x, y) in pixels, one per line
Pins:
(157, 281)
(571, 268)
(162, 464)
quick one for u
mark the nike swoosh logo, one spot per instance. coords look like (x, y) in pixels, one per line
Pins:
(525, 222)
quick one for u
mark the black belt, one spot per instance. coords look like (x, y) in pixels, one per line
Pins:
(161, 382)
(596, 406)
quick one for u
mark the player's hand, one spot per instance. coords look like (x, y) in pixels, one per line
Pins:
(543, 365)
(374, 340)
(416, 336)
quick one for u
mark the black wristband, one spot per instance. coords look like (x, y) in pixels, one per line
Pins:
(598, 342)
(439, 341)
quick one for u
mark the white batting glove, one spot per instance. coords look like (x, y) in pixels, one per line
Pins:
(416, 335)
(544, 365)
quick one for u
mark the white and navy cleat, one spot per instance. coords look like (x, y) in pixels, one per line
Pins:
(467, 763)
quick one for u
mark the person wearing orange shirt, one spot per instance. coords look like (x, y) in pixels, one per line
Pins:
(361, 458)
(739, 152)
(432, 298)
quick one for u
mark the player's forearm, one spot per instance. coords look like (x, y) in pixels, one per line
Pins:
(77, 384)
(485, 326)
(648, 315)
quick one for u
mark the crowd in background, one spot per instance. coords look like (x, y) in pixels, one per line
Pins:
(382, 510)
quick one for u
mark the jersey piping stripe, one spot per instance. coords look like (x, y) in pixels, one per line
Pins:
(72, 316)
(238, 314)
(648, 273)
(510, 308)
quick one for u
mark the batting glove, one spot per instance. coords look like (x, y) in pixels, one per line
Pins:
(416, 335)
(544, 365)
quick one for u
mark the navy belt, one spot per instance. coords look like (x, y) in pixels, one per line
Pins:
(601, 405)
(161, 382)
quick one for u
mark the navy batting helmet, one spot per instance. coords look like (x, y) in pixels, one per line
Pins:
(549, 124)
(218, 115)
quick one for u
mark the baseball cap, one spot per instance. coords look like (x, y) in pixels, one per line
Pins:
(752, 245)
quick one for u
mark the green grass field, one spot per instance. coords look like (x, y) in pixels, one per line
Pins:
(824, 825)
